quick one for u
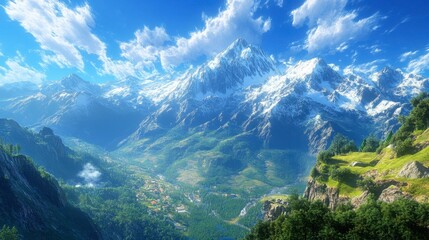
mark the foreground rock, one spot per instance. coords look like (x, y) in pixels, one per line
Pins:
(414, 170)
(274, 209)
(391, 194)
(384, 190)
(319, 191)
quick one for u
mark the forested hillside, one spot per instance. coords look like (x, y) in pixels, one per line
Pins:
(377, 191)
(33, 205)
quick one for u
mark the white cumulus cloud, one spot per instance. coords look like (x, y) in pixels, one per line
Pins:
(65, 33)
(406, 55)
(420, 64)
(61, 31)
(330, 24)
(365, 69)
(90, 175)
(236, 20)
(145, 48)
(15, 70)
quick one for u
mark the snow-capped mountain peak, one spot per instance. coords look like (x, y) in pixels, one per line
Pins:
(74, 83)
(240, 65)
(241, 86)
(314, 70)
(387, 77)
(241, 54)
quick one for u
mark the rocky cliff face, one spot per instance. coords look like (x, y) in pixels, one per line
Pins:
(383, 190)
(45, 148)
(274, 209)
(414, 170)
(33, 202)
(328, 195)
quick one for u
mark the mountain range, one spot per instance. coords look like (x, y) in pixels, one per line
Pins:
(235, 128)
(241, 93)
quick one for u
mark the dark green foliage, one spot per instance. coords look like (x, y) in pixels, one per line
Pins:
(10, 148)
(201, 226)
(324, 156)
(7, 233)
(314, 172)
(342, 145)
(119, 215)
(324, 172)
(227, 207)
(404, 147)
(386, 142)
(420, 115)
(253, 215)
(29, 195)
(45, 148)
(367, 184)
(369, 144)
(389, 138)
(418, 119)
(339, 145)
(416, 100)
(403, 219)
(340, 174)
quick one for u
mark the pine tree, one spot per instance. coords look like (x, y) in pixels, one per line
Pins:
(7, 233)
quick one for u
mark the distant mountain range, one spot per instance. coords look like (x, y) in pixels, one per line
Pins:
(294, 107)
(241, 124)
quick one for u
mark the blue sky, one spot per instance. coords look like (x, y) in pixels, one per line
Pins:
(43, 40)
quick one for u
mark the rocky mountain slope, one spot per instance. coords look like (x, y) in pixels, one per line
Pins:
(223, 115)
(240, 88)
(46, 149)
(32, 201)
(383, 175)
(73, 107)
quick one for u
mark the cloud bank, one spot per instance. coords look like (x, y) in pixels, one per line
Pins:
(61, 31)
(419, 64)
(65, 33)
(16, 70)
(236, 20)
(331, 26)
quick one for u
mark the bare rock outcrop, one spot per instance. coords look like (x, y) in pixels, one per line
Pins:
(391, 194)
(274, 209)
(319, 191)
(361, 199)
(414, 170)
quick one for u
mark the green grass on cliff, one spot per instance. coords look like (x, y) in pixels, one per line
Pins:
(385, 166)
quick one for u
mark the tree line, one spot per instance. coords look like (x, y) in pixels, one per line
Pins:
(402, 219)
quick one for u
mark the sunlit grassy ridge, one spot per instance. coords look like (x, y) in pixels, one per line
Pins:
(382, 166)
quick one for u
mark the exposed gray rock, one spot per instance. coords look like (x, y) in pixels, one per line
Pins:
(392, 194)
(414, 170)
(274, 209)
(319, 191)
(371, 174)
(361, 199)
